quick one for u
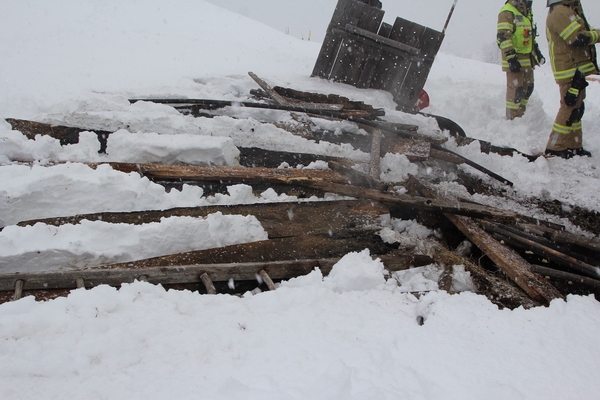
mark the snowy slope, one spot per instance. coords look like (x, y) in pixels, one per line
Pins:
(352, 335)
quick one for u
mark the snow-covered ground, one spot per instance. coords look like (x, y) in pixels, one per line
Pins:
(351, 335)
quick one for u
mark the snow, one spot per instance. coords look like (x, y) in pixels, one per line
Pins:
(351, 335)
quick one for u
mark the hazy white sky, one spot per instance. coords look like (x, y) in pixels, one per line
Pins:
(473, 25)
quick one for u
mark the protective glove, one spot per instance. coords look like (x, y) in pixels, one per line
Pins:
(539, 56)
(513, 63)
(579, 83)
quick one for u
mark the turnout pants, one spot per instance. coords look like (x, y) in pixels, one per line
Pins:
(519, 88)
(566, 131)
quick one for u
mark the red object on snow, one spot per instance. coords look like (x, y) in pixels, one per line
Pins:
(422, 101)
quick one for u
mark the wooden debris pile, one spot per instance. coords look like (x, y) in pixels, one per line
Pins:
(518, 260)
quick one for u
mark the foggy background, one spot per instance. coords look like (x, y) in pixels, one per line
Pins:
(471, 33)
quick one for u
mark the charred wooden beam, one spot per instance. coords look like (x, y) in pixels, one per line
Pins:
(450, 156)
(511, 263)
(452, 207)
(281, 100)
(592, 258)
(554, 255)
(561, 236)
(571, 280)
(355, 108)
(65, 134)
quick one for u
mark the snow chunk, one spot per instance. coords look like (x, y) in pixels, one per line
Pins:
(356, 272)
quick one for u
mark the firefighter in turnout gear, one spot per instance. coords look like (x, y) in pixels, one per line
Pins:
(520, 54)
(571, 41)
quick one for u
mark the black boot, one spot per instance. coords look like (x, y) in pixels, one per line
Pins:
(566, 154)
(580, 152)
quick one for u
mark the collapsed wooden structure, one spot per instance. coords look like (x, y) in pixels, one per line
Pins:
(322, 232)
(362, 51)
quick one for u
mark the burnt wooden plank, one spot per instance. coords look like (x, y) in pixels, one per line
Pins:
(544, 250)
(561, 236)
(309, 97)
(279, 99)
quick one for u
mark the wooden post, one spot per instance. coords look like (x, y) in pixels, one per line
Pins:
(375, 164)
(266, 279)
(18, 289)
(208, 284)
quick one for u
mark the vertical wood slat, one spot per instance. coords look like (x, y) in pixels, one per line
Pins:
(208, 284)
(375, 162)
(267, 279)
(18, 289)
(80, 283)
(346, 11)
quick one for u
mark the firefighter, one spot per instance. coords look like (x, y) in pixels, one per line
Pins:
(520, 54)
(571, 41)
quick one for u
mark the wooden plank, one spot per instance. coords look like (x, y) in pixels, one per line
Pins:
(279, 99)
(414, 150)
(296, 231)
(386, 43)
(544, 251)
(272, 93)
(453, 207)
(65, 134)
(280, 220)
(507, 260)
(309, 97)
(561, 236)
(569, 278)
(287, 176)
(169, 275)
(346, 11)
(512, 264)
